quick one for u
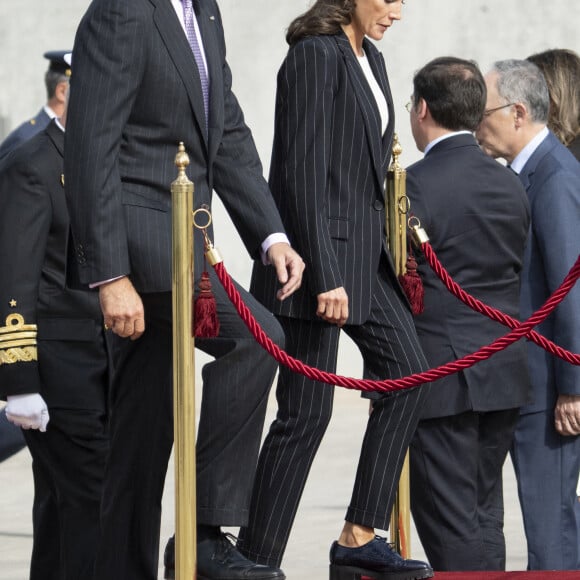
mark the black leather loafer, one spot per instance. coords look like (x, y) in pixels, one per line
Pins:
(218, 559)
(376, 560)
(169, 559)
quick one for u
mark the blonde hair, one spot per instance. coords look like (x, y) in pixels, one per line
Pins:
(561, 69)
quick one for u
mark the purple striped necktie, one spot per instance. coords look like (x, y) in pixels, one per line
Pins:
(195, 48)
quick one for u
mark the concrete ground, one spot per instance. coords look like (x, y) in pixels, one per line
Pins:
(319, 519)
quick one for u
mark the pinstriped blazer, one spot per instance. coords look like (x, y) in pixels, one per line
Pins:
(135, 94)
(328, 167)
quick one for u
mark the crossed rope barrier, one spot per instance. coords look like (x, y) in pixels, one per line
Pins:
(519, 330)
(491, 312)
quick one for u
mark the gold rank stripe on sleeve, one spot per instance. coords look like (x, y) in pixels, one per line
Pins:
(17, 341)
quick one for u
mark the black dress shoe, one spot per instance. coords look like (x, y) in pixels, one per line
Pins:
(169, 559)
(218, 559)
(375, 560)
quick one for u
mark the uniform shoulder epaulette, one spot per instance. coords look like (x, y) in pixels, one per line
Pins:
(17, 341)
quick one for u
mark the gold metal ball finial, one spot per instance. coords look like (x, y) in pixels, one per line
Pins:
(181, 158)
(397, 148)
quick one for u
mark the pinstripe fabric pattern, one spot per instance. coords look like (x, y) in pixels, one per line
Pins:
(327, 174)
(389, 346)
(118, 181)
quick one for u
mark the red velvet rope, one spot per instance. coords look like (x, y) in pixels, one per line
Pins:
(491, 312)
(414, 380)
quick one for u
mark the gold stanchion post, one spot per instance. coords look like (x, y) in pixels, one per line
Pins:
(397, 208)
(183, 372)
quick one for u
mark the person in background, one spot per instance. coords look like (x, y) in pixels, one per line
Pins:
(333, 135)
(476, 215)
(561, 69)
(54, 362)
(149, 75)
(56, 82)
(546, 448)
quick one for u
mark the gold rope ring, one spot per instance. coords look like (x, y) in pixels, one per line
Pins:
(203, 210)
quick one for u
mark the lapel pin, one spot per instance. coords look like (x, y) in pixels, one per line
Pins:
(212, 17)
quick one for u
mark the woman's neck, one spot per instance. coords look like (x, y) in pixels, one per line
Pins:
(355, 38)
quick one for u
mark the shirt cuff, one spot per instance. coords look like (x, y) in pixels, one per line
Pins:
(270, 241)
(97, 284)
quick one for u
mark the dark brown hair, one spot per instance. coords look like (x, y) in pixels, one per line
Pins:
(324, 17)
(454, 91)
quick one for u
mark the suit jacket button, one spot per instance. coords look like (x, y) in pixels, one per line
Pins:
(378, 205)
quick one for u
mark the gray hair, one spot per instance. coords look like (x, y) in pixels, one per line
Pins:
(520, 81)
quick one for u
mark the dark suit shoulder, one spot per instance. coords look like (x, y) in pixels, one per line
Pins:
(23, 133)
(313, 57)
(556, 157)
(36, 155)
(325, 45)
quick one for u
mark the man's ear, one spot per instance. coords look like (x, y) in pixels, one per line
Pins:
(423, 109)
(520, 114)
(61, 91)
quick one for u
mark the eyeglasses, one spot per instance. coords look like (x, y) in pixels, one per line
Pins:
(409, 106)
(488, 112)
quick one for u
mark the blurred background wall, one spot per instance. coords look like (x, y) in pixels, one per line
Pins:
(483, 30)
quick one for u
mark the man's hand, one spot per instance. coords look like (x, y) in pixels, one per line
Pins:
(289, 268)
(27, 411)
(122, 308)
(567, 415)
(333, 306)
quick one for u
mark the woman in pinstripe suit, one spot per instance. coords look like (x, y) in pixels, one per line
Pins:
(333, 137)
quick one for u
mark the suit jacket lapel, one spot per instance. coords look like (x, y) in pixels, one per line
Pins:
(180, 52)
(530, 167)
(367, 104)
(56, 136)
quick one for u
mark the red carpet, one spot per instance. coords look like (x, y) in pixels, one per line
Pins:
(543, 575)
(555, 575)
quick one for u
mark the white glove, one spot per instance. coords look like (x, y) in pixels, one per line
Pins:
(27, 411)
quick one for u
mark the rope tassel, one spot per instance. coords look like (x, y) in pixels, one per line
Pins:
(205, 319)
(413, 286)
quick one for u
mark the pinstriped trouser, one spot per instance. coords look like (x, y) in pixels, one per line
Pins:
(390, 349)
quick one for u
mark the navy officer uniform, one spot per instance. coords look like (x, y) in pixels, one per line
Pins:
(52, 345)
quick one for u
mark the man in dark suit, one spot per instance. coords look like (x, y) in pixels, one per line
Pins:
(477, 216)
(142, 88)
(53, 360)
(56, 82)
(546, 450)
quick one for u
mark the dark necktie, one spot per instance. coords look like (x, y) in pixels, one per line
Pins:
(195, 48)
